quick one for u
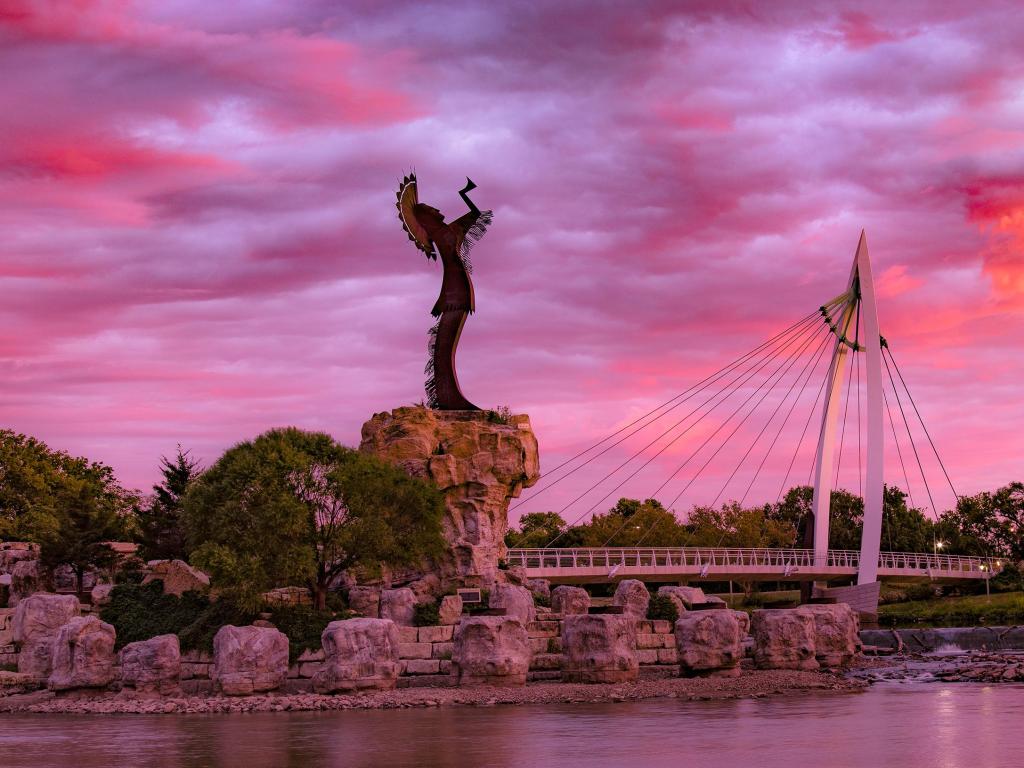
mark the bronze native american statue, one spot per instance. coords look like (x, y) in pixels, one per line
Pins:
(427, 230)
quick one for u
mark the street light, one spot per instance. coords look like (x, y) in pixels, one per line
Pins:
(984, 570)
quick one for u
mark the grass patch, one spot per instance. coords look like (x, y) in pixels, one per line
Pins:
(1002, 609)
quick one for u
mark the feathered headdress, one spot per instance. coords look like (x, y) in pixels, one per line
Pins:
(408, 197)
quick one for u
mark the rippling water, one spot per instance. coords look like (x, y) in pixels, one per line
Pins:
(910, 725)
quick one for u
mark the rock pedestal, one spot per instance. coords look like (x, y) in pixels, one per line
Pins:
(517, 602)
(783, 639)
(477, 463)
(836, 633)
(633, 596)
(152, 666)
(83, 655)
(708, 643)
(569, 601)
(37, 620)
(361, 654)
(249, 660)
(491, 650)
(599, 648)
(398, 605)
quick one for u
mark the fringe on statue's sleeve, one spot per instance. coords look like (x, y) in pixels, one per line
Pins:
(476, 231)
(431, 383)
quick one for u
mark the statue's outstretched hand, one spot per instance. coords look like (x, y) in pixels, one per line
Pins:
(470, 186)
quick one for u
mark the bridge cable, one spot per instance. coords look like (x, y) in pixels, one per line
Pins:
(695, 389)
(892, 425)
(910, 436)
(734, 387)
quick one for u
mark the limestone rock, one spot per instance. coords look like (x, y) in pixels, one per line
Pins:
(83, 655)
(478, 464)
(517, 602)
(744, 619)
(836, 633)
(152, 666)
(783, 639)
(569, 601)
(683, 597)
(37, 620)
(27, 578)
(599, 648)
(288, 596)
(361, 654)
(450, 609)
(365, 601)
(708, 643)
(633, 596)
(249, 660)
(714, 599)
(541, 588)
(178, 577)
(399, 605)
(491, 650)
(100, 594)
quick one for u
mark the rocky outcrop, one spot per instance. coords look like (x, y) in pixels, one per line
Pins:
(478, 464)
(152, 666)
(491, 650)
(83, 655)
(570, 601)
(836, 633)
(27, 578)
(708, 643)
(633, 596)
(516, 601)
(783, 639)
(398, 605)
(249, 660)
(449, 610)
(683, 597)
(599, 648)
(178, 577)
(365, 601)
(361, 654)
(37, 620)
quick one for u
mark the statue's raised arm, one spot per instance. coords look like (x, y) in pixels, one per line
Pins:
(426, 228)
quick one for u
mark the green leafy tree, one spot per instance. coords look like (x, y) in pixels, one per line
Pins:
(629, 523)
(294, 507)
(536, 530)
(161, 534)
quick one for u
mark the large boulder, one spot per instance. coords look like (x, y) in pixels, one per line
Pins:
(178, 576)
(836, 633)
(249, 660)
(398, 605)
(450, 610)
(100, 594)
(599, 648)
(37, 620)
(83, 655)
(361, 654)
(491, 650)
(633, 596)
(517, 602)
(683, 597)
(569, 601)
(365, 601)
(708, 643)
(541, 589)
(152, 666)
(783, 639)
(479, 464)
(27, 578)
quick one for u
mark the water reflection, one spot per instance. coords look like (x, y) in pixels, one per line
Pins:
(919, 725)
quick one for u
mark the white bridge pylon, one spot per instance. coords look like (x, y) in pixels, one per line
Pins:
(860, 305)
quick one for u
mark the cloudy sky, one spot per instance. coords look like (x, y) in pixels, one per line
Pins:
(199, 238)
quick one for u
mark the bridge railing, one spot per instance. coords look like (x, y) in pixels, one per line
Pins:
(716, 557)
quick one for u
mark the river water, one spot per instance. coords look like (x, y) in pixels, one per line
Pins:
(910, 725)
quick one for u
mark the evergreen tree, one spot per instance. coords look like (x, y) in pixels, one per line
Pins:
(162, 536)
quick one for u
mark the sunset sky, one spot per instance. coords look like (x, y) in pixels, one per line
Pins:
(199, 239)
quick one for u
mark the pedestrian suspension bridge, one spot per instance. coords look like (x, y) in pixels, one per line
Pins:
(755, 408)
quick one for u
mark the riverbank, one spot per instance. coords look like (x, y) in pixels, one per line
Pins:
(752, 684)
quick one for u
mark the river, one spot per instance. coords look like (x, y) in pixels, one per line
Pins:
(910, 725)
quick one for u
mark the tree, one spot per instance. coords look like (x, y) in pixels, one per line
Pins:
(536, 530)
(161, 535)
(85, 525)
(630, 523)
(294, 507)
(736, 526)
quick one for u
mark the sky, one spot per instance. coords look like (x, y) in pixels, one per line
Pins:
(200, 241)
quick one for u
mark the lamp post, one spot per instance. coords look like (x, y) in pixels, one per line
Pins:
(985, 571)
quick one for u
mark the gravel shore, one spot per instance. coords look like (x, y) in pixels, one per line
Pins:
(752, 684)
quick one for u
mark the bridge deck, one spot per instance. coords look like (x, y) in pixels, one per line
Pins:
(589, 565)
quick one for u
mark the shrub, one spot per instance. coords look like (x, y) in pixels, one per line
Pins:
(142, 611)
(1009, 579)
(662, 608)
(542, 600)
(426, 615)
(303, 624)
